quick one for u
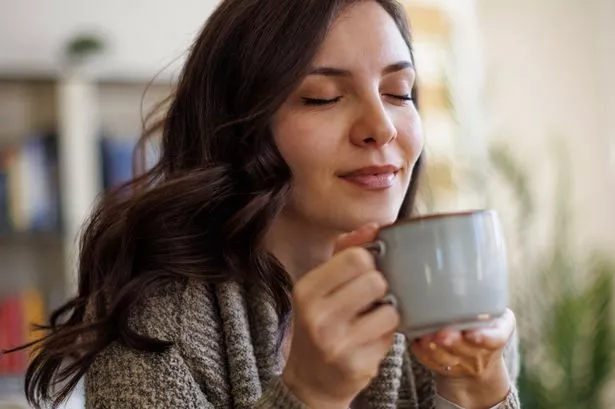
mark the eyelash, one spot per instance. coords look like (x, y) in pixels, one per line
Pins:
(322, 102)
(402, 97)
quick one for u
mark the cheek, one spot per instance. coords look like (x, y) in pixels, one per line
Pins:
(411, 139)
(306, 143)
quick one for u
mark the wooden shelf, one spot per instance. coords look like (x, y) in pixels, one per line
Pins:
(11, 385)
(52, 78)
(12, 395)
(34, 238)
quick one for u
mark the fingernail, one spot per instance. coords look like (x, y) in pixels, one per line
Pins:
(433, 346)
(447, 341)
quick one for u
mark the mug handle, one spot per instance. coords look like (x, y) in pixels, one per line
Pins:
(378, 249)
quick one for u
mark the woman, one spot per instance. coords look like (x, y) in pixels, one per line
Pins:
(293, 124)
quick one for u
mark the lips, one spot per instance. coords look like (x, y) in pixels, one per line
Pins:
(373, 177)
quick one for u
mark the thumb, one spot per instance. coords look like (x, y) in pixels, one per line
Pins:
(363, 235)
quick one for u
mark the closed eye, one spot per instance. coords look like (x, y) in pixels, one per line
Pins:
(320, 102)
(405, 97)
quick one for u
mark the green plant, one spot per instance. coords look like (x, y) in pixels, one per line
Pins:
(567, 326)
(83, 46)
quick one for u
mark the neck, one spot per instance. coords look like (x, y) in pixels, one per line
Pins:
(298, 245)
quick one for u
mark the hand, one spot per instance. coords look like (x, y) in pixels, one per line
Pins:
(469, 365)
(338, 341)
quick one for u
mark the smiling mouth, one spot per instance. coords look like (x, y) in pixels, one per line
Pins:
(374, 179)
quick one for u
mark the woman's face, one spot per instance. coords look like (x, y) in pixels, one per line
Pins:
(349, 132)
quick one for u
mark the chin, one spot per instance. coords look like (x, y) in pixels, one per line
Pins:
(382, 218)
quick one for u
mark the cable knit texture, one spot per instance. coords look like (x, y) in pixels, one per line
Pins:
(225, 355)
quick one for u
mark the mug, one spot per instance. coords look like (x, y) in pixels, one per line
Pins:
(444, 270)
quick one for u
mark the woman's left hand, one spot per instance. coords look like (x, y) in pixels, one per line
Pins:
(467, 361)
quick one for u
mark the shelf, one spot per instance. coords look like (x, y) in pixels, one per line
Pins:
(28, 238)
(12, 394)
(11, 384)
(52, 78)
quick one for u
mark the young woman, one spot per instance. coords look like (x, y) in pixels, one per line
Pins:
(232, 275)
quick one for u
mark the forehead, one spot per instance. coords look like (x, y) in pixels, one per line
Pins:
(365, 34)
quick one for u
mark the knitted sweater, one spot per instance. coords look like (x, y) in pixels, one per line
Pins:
(225, 355)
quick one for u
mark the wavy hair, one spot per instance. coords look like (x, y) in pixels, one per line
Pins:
(205, 206)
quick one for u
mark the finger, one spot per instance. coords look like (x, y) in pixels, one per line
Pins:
(452, 340)
(496, 335)
(375, 324)
(464, 349)
(358, 295)
(363, 235)
(329, 277)
(447, 358)
(366, 358)
(441, 364)
(446, 337)
(438, 353)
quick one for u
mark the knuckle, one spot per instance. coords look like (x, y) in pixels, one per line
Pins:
(476, 367)
(358, 258)
(314, 322)
(390, 318)
(324, 335)
(377, 283)
(311, 319)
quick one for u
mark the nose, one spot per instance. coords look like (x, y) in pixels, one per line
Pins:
(373, 127)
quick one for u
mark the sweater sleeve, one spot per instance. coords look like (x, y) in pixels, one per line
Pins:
(425, 389)
(511, 357)
(123, 378)
(442, 403)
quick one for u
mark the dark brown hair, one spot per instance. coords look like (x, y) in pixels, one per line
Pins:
(201, 211)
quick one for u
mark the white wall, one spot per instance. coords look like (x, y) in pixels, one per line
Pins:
(606, 59)
(549, 73)
(143, 35)
(549, 66)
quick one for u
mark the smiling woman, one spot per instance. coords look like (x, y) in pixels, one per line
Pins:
(351, 119)
(233, 274)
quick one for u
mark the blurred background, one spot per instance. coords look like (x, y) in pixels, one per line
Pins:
(518, 103)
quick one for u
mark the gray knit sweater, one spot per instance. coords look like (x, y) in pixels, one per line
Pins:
(225, 356)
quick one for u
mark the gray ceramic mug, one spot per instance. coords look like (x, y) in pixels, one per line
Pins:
(446, 270)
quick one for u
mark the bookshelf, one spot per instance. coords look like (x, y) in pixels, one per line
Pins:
(39, 263)
(63, 141)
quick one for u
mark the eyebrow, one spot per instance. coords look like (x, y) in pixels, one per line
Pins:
(340, 72)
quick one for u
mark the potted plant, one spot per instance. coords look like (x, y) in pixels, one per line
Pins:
(567, 326)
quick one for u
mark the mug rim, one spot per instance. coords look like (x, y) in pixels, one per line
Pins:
(437, 216)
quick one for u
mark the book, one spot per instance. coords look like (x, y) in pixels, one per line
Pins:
(4, 211)
(18, 313)
(11, 325)
(29, 185)
(117, 161)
